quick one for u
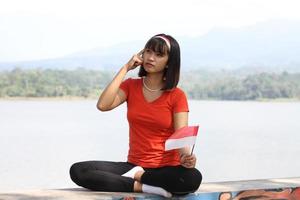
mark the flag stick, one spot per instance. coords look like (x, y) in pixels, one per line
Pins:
(192, 149)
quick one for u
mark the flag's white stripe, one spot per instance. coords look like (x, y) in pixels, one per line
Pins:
(179, 143)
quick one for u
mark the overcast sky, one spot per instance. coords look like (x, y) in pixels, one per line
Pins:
(38, 29)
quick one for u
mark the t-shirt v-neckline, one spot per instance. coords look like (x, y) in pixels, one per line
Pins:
(143, 96)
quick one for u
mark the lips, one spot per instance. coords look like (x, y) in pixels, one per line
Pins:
(149, 64)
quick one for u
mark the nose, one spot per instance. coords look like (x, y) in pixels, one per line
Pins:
(151, 56)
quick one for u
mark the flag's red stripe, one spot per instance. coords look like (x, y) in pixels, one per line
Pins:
(185, 132)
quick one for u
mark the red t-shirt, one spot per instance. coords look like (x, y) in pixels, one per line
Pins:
(151, 123)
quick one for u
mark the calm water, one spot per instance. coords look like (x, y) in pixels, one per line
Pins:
(39, 140)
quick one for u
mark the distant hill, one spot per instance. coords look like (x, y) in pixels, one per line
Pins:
(272, 45)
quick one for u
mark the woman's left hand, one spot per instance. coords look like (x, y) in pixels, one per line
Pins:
(188, 161)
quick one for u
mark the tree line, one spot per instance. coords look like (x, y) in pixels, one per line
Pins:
(52, 82)
(221, 85)
(234, 86)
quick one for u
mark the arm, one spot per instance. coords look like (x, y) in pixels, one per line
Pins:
(186, 159)
(181, 120)
(113, 96)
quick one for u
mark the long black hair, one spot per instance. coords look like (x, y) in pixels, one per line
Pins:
(172, 72)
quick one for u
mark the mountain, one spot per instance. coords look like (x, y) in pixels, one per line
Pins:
(271, 45)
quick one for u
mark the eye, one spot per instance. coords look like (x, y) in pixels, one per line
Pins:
(159, 54)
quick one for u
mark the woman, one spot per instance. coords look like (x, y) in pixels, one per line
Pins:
(156, 108)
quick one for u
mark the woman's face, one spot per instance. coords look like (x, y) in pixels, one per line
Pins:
(154, 62)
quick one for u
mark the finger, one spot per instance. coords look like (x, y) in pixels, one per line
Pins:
(192, 158)
(189, 159)
(136, 58)
(189, 163)
(141, 52)
(188, 166)
(139, 59)
(185, 165)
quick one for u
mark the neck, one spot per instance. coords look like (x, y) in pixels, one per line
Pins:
(154, 81)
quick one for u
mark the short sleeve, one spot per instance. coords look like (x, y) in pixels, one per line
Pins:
(180, 103)
(125, 86)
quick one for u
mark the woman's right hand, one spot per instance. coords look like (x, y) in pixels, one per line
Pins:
(188, 161)
(135, 61)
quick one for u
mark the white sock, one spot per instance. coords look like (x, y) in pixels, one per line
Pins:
(155, 190)
(132, 172)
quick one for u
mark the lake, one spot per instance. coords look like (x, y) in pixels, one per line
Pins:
(39, 140)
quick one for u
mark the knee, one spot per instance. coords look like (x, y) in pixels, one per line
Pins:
(195, 179)
(75, 171)
(189, 181)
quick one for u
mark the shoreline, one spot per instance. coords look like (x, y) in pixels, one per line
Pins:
(47, 98)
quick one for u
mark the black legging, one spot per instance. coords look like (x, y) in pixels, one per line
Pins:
(106, 176)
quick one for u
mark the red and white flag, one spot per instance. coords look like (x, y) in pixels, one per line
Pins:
(182, 137)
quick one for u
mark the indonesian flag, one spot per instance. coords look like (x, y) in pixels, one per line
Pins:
(182, 137)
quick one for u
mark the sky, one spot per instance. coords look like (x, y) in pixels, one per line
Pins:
(41, 29)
